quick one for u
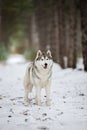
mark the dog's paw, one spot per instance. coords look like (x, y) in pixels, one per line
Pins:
(38, 103)
(26, 101)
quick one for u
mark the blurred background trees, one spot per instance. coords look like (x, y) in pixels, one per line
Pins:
(29, 25)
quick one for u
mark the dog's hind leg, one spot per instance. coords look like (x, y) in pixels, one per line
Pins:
(27, 91)
(38, 96)
(26, 99)
(30, 88)
(47, 89)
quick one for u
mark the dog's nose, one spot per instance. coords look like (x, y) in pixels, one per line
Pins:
(45, 64)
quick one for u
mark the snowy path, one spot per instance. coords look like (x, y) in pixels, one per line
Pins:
(68, 110)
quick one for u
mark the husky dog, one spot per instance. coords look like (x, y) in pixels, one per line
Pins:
(39, 74)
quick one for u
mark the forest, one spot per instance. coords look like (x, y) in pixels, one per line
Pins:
(58, 25)
(27, 26)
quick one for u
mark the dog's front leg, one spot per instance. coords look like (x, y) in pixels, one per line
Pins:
(38, 95)
(26, 97)
(47, 89)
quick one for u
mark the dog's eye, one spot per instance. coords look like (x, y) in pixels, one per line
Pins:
(46, 59)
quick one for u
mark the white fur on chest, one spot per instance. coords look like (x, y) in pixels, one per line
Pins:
(42, 81)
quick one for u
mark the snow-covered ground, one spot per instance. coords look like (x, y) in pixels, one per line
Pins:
(68, 110)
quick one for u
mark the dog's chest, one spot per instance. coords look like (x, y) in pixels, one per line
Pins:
(44, 81)
(41, 81)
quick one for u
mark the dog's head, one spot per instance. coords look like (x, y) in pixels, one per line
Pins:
(44, 60)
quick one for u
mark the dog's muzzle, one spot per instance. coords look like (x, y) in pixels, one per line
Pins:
(45, 66)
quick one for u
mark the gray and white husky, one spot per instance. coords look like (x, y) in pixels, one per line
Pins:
(39, 74)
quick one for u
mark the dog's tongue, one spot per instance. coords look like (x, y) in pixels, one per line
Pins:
(45, 67)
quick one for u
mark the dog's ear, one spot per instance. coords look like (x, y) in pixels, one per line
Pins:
(39, 53)
(49, 53)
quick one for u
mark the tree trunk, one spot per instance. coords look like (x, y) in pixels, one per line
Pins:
(29, 31)
(53, 34)
(0, 27)
(28, 22)
(61, 28)
(83, 9)
(72, 33)
(42, 20)
(7, 24)
(0, 22)
(84, 51)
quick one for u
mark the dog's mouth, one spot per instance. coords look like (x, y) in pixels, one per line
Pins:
(45, 66)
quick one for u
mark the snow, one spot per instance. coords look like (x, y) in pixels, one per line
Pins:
(17, 58)
(68, 110)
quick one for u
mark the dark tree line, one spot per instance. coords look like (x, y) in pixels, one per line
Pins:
(55, 24)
